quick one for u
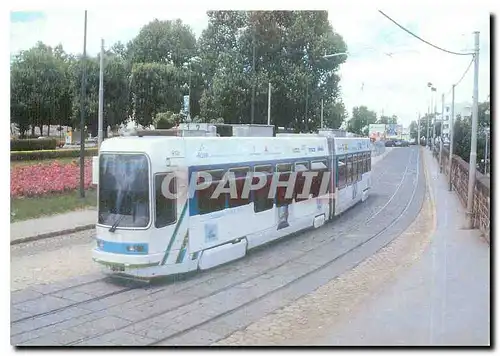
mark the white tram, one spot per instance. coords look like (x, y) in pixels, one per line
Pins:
(141, 233)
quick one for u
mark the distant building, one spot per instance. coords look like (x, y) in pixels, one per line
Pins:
(463, 109)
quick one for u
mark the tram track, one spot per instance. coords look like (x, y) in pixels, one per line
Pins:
(385, 228)
(218, 273)
(139, 284)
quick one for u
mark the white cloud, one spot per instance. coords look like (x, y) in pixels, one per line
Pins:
(398, 85)
(395, 85)
(67, 27)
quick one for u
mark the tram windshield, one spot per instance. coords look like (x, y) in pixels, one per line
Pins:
(124, 190)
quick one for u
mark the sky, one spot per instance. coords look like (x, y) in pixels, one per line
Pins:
(389, 85)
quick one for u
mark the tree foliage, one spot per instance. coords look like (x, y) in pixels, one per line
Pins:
(462, 130)
(236, 56)
(387, 120)
(361, 119)
(288, 47)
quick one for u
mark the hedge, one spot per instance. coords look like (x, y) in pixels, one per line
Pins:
(46, 154)
(33, 144)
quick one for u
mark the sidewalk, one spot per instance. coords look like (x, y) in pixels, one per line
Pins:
(36, 229)
(441, 299)
(61, 224)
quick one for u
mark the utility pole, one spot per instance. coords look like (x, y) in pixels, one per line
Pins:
(434, 123)
(427, 142)
(321, 113)
(269, 105)
(450, 159)
(82, 113)
(441, 136)
(307, 106)
(189, 93)
(100, 134)
(487, 133)
(473, 141)
(253, 79)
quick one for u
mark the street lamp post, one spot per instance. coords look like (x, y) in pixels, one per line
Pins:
(441, 136)
(487, 133)
(428, 142)
(452, 129)
(82, 111)
(434, 111)
(473, 141)
(188, 65)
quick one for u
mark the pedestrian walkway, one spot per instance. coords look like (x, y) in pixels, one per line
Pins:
(60, 224)
(442, 299)
(34, 229)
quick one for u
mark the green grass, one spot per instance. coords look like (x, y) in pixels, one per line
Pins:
(29, 208)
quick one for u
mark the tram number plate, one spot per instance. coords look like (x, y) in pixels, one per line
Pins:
(117, 268)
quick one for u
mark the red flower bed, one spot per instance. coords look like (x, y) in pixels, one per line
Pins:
(39, 179)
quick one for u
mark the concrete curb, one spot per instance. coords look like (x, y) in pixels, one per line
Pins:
(52, 234)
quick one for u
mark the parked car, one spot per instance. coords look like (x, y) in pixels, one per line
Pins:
(405, 143)
(390, 143)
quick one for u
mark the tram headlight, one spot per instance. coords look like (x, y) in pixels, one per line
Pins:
(135, 248)
(100, 244)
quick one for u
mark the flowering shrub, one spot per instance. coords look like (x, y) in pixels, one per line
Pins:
(39, 179)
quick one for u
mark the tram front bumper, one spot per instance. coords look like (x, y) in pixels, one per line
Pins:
(127, 261)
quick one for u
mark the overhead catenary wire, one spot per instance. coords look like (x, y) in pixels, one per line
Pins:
(421, 39)
(465, 73)
(463, 76)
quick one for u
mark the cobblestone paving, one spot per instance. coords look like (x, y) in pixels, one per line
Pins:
(333, 302)
(207, 307)
(52, 260)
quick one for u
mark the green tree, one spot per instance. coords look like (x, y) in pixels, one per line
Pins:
(334, 114)
(288, 47)
(155, 88)
(39, 85)
(388, 120)
(116, 92)
(167, 42)
(462, 130)
(164, 120)
(361, 119)
(414, 129)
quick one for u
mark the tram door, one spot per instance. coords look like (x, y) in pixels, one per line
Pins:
(331, 195)
(333, 172)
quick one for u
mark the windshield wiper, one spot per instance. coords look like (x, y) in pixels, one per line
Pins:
(115, 224)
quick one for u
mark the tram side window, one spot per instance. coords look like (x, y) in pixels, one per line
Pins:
(354, 167)
(360, 165)
(342, 170)
(321, 168)
(240, 175)
(283, 172)
(369, 161)
(165, 206)
(349, 169)
(300, 167)
(261, 199)
(365, 162)
(207, 204)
